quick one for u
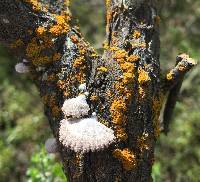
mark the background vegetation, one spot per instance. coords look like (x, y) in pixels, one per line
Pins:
(24, 128)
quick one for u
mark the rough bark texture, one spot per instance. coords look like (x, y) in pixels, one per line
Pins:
(125, 85)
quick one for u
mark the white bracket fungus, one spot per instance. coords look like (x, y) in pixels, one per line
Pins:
(83, 135)
(51, 145)
(76, 107)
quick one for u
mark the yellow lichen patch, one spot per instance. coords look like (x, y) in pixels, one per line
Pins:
(16, 44)
(35, 4)
(170, 75)
(107, 3)
(120, 55)
(127, 67)
(94, 54)
(114, 49)
(143, 76)
(123, 88)
(117, 110)
(40, 30)
(136, 34)
(127, 158)
(157, 105)
(60, 27)
(127, 77)
(143, 142)
(102, 69)
(34, 49)
(138, 45)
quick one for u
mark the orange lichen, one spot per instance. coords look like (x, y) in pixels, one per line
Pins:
(127, 67)
(127, 77)
(40, 31)
(133, 58)
(170, 75)
(35, 4)
(122, 87)
(79, 61)
(136, 34)
(117, 110)
(127, 158)
(143, 76)
(138, 45)
(120, 55)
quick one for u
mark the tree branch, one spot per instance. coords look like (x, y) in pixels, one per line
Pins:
(172, 85)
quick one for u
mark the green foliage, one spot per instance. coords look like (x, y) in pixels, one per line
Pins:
(43, 168)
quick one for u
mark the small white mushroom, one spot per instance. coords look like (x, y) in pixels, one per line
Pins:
(83, 135)
(75, 107)
(51, 145)
(21, 68)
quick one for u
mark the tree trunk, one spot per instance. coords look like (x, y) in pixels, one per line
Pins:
(125, 86)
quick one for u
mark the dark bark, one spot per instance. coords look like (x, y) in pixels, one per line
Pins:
(125, 82)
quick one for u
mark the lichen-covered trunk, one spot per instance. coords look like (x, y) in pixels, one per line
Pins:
(124, 86)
